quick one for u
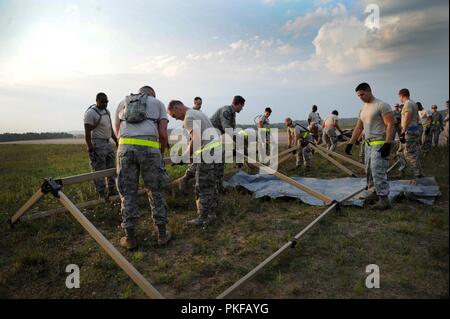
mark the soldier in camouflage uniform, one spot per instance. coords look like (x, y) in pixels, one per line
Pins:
(424, 129)
(224, 118)
(141, 145)
(206, 192)
(98, 132)
(192, 168)
(263, 127)
(376, 119)
(410, 135)
(330, 125)
(446, 119)
(298, 135)
(437, 125)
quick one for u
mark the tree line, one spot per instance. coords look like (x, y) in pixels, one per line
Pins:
(11, 137)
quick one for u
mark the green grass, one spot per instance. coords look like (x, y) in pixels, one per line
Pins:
(409, 242)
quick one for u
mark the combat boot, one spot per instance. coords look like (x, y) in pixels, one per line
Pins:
(202, 221)
(198, 222)
(371, 198)
(382, 204)
(129, 241)
(164, 236)
(112, 192)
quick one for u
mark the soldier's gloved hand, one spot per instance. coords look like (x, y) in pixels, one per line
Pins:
(348, 149)
(92, 154)
(403, 138)
(385, 150)
(428, 130)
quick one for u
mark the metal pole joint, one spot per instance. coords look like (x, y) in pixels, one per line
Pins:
(51, 186)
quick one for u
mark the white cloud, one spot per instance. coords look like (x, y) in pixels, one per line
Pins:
(342, 47)
(286, 49)
(166, 65)
(315, 19)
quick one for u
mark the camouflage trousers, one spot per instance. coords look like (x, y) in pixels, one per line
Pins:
(104, 159)
(411, 152)
(206, 192)
(435, 132)
(362, 153)
(446, 132)
(219, 169)
(401, 157)
(376, 168)
(133, 161)
(303, 156)
(426, 140)
(330, 138)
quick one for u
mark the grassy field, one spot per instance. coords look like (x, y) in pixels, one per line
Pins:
(409, 243)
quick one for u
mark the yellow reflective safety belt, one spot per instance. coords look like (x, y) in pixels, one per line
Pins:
(208, 147)
(374, 143)
(305, 135)
(264, 129)
(139, 142)
(243, 133)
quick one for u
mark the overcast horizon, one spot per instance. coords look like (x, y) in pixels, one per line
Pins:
(289, 55)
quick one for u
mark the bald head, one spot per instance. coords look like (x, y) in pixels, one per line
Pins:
(177, 109)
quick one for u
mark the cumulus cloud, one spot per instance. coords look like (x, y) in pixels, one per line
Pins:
(343, 44)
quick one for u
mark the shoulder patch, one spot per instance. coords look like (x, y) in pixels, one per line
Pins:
(227, 115)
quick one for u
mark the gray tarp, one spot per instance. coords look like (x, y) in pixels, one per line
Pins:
(262, 185)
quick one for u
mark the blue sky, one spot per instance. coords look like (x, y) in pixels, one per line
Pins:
(56, 55)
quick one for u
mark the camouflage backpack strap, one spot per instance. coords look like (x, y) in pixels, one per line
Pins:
(93, 107)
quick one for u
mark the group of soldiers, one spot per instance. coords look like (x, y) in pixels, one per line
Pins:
(141, 137)
(140, 134)
(379, 125)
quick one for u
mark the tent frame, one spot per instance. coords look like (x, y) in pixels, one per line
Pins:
(55, 188)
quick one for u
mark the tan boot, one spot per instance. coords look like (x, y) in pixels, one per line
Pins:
(129, 241)
(164, 236)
